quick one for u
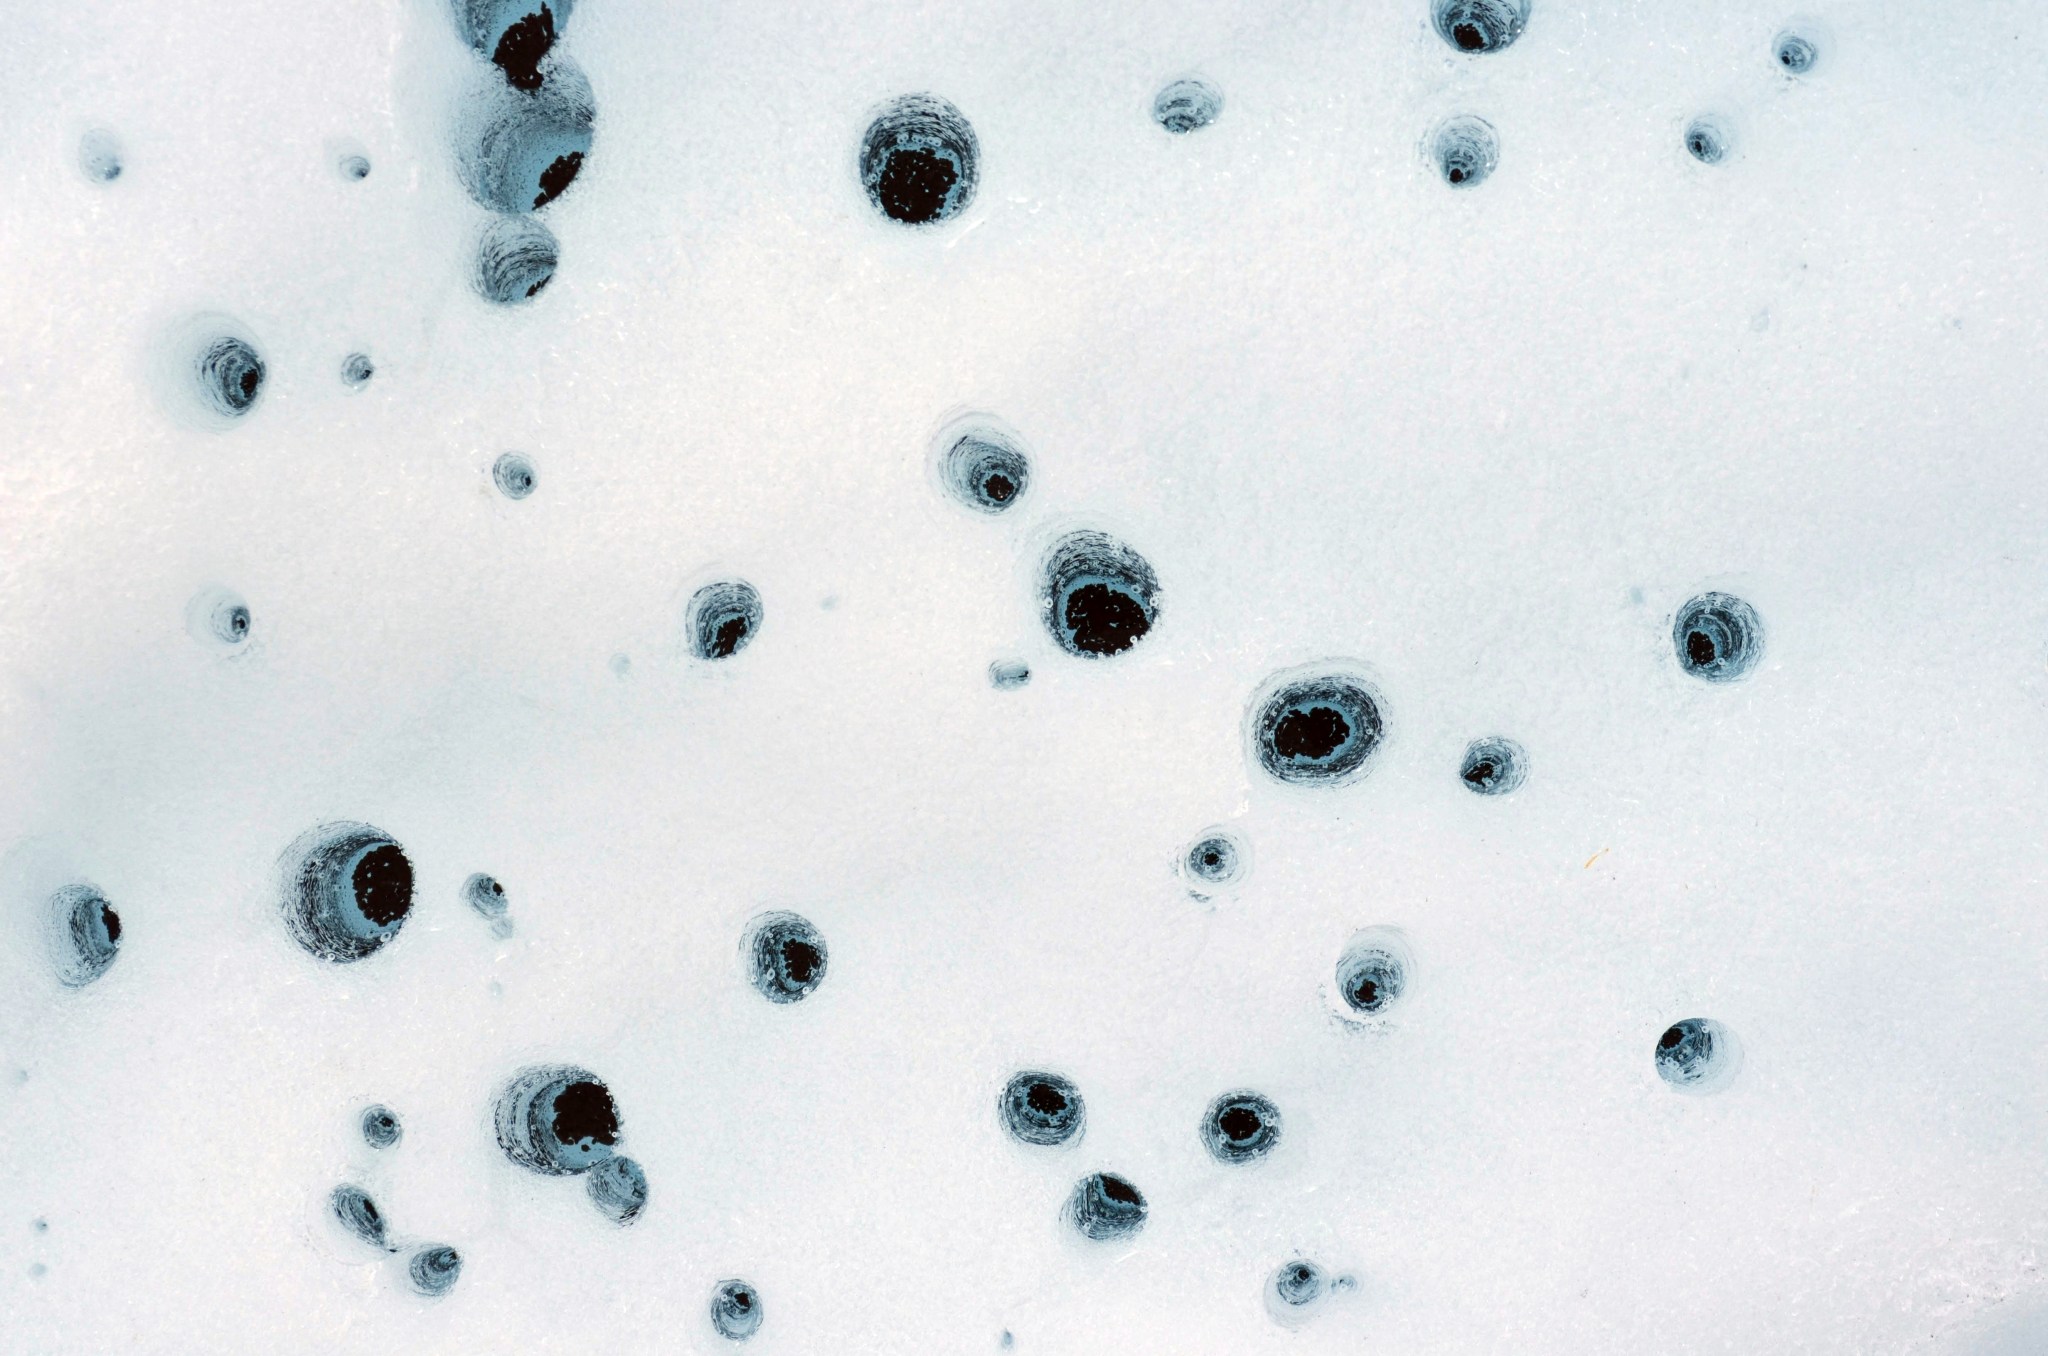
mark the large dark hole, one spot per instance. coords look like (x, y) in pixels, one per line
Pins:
(726, 641)
(1046, 1099)
(914, 184)
(999, 488)
(557, 177)
(1671, 1038)
(383, 885)
(1105, 619)
(1240, 1123)
(1470, 37)
(585, 1111)
(801, 960)
(111, 921)
(521, 48)
(1313, 734)
(1700, 648)
(1117, 1189)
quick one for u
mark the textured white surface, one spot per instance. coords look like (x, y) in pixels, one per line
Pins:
(1485, 442)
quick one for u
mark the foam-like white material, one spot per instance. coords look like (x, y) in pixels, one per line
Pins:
(1482, 442)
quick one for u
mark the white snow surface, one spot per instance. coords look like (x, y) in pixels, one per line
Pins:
(1483, 443)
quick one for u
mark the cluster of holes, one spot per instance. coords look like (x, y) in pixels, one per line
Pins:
(919, 161)
(431, 1269)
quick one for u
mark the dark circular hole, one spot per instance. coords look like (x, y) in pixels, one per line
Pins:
(1719, 637)
(1099, 597)
(230, 376)
(1797, 53)
(1372, 974)
(485, 895)
(1318, 729)
(1493, 766)
(787, 957)
(1105, 1207)
(521, 47)
(1298, 1283)
(1041, 1108)
(1241, 1127)
(1695, 1055)
(919, 161)
(736, 1311)
(557, 1119)
(583, 1112)
(356, 369)
(1465, 150)
(354, 167)
(1476, 26)
(722, 619)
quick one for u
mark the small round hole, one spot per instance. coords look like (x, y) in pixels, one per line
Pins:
(1464, 150)
(1479, 26)
(1374, 973)
(434, 1270)
(1493, 766)
(1241, 1127)
(735, 1310)
(1042, 1109)
(1187, 106)
(515, 258)
(786, 957)
(1708, 139)
(557, 1120)
(515, 475)
(1718, 637)
(1105, 1207)
(722, 619)
(1697, 1055)
(356, 370)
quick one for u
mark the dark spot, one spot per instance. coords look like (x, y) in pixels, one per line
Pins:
(1105, 1207)
(998, 488)
(736, 1311)
(1707, 140)
(1297, 1284)
(1493, 766)
(1372, 973)
(349, 890)
(1719, 637)
(1696, 1055)
(1476, 26)
(110, 922)
(522, 46)
(1041, 1109)
(1240, 1127)
(557, 177)
(1316, 728)
(721, 619)
(515, 258)
(1099, 596)
(919, 161)
(1670, 1039)
(787, 957)
(383, 884)
(584, 1112)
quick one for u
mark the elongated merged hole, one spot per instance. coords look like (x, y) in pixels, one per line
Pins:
(919, 161)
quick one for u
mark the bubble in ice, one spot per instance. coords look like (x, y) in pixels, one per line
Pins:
(484, 894)
(1106, 1207)
(354, 166)
(99, 156)
(87, 932)
(1098, 597)
(1697, 1055)
(381, 1127)
(735, 1310)
(1480, 25)
(1493, 766)
(434, 1269)
(1214, 862)
(357, 1213)
(919, 160)
(356, 371)
(785, 956)
(1316, 726)
(1464, 150)
(1009, 673)
(516, 35)
(1708, 139)
(722, 618)
(515, 258)
(347, 890)
(1797, 51)
(1042, 1108)
(556, 1119)
(514, 475)
(218, 617)
(1240, 1127)
(519, 151)
(618, 1188)
(982, 466)
(1373, 974)
(228, 375)
(1187, 105)
(1718, 637)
